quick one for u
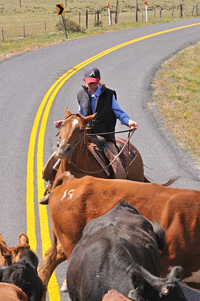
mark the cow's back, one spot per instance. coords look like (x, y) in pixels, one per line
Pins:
(77, 201)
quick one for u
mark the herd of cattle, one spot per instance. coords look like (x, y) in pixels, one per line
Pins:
(124, 241)
(19, 278)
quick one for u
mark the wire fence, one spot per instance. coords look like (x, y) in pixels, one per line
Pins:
(90, 18)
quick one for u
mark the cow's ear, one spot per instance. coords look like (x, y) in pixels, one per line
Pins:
(23, 239)
(89, 118)
(135, 294)
(67, 112)
(175, 272)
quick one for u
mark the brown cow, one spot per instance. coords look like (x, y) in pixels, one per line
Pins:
(76, 201)
(10, 255)
(11, 292)
(113, 295)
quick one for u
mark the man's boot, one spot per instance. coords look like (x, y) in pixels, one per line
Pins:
(111, 153)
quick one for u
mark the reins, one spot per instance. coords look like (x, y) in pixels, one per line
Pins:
(106, 167)
(107, 133)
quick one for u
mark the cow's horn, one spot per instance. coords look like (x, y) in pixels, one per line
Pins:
(133, 294)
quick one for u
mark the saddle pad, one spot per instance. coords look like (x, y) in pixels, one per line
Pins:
(98, 158)
(131, 152)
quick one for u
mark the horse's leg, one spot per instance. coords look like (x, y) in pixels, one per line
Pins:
(53, 257)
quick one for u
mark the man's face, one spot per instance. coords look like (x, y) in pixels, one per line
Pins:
(92, 87)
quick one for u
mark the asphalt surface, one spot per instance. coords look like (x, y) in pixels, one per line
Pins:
(25, 80)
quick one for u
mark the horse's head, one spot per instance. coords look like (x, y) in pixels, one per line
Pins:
(72, 133)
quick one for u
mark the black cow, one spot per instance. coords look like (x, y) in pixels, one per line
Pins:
(24, 275)
(120, 251)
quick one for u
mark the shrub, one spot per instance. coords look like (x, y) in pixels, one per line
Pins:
(70, 26)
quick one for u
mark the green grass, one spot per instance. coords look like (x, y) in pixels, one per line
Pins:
(34, 24)
(177, 93)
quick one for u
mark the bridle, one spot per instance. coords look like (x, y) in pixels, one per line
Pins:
(82, 136)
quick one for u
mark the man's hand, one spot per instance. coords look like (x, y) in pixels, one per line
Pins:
(132, 124)
(58, 123)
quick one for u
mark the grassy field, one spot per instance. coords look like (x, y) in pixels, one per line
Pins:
(177, 94)
(25, 23)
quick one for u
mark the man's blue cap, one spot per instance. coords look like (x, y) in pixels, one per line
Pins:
(92, 75)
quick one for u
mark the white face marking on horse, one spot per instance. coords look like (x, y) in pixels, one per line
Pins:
(68, 194)
(74, 122)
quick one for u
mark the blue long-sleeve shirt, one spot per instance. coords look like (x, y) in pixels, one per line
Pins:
(119, 113)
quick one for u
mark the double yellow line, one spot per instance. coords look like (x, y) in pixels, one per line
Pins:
(38, 131)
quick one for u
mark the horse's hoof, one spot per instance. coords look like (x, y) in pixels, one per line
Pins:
(64, 287)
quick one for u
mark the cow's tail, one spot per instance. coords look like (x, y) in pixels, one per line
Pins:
(160, 235)
(168, 183)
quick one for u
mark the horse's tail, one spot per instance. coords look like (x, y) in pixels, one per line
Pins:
(168, 183)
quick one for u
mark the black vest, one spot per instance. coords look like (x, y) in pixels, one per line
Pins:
(105, 119)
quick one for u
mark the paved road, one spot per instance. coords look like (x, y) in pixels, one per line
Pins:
(26, 78)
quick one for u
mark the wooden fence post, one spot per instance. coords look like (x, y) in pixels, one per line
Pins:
(136, 11)
(24, 31)
(2, 35)
(181, 10)
(172, 11)
(86, 19)
(193, 9)
(79, 19)
(97, 17)
(154, 12)
(116, 13)
(160, 12)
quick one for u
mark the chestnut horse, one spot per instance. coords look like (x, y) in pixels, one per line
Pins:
(73, 202)
(72, 149)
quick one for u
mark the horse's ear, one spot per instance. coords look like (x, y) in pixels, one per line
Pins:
(89, 118)
(67, 112)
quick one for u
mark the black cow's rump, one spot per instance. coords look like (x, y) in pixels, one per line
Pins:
(120, 251)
